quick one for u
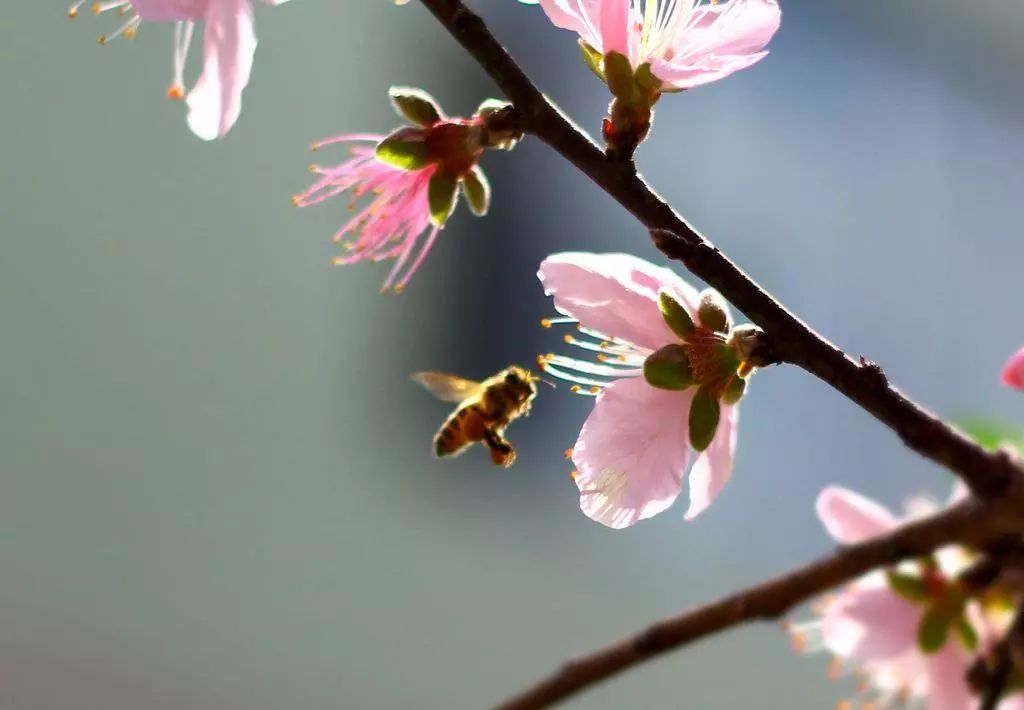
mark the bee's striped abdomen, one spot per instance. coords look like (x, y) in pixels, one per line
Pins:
(465, 426)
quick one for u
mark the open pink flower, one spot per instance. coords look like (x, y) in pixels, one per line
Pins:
(1013, 372)
(878, 623)
(229, 42)
(687, 43)
(634, 448)
(409, 182)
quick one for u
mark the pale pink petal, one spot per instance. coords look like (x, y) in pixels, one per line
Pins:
(713, 467)
(615, 294)
(615, 26)
(632, 452)
(691, 76)
(579, 16)
(734, 28)
(946, 671)
(850, 517)
(1014, 702)
(229, 43)
(868, 622)
(170, 10)
(274, 3)
(1013, 372)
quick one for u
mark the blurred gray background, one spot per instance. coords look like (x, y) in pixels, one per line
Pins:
(216, 488)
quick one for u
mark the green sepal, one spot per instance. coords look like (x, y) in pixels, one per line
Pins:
(593, 59)
(966, 633)
(478, 191)
(712, 311)
(404, 149)
(735, 390)
(704, 414)
(907, 586)
(415, 105)
(619, 75)
(442, 193)
(675, 314)
(646, 80)
(933, 631)
(668, 368)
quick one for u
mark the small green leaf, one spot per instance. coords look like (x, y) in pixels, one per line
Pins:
(676, 315)
(619, 75)
(712, 311)
(416, 105)
(442, 193)
(966, 633)
(907, 586)
(668, 368)
(593, 59)
(704, 414)
(646, 80)
(735, 390)
(404, 149)
(478, 191)
(933, 631)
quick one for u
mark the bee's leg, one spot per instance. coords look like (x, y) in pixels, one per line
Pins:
(502, 453)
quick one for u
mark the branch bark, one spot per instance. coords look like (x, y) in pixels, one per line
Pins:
(974, 522)
(863, 382)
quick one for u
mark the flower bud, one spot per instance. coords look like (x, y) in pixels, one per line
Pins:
(712, 311)
(415, 105)
(676, 315)
(669, 368)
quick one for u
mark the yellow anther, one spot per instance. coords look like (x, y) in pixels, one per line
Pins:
(574, 475)
(73, 12)
(313, 167)
(97, 8)
(574, 388)
(129, 33)
(399, 288)
(844, 705)
(594, 389)
(296, 200)
(545, 322)
(102, 39)
(176, 92)
(601, 357)
(568, 453)
(605, 345)
(567, 338)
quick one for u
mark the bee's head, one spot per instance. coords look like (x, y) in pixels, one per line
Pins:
(520, 381)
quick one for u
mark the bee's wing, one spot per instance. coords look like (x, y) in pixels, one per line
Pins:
(449, 388)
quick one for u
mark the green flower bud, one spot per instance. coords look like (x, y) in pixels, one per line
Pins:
(734, 391)
(704, 414)
(442, 194)
(933, 631)
(619, 75)
(668, 368)
(405, 149)
(478, 191)
(415, 105)
(712, 311)
(676, 315)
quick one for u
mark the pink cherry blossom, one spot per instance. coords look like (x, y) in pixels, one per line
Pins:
(229, 42)
(1013, 371)
(686, 42)
(632, 452)
(869, 626)
(394, 218)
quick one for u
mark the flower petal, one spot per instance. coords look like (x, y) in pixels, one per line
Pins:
(615, 294)
(713, 467)
(615, 26)
(850, 517)
(170, 10)
(632, 452)
(579, 16)
(229, 43)
(869, 622)
(946, 671)
(1013, 372)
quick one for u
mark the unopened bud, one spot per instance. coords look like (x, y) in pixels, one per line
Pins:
(712, 311)
(669, 368)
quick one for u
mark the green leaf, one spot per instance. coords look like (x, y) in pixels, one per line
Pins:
(593, 59)
(478, 191)
(404, 149)
(712, 311)
(735, 390)
(907, 586)
(704, 414)
(676, 315)
(992, 434)
(619, 75)
(933, 631)
(442, 193)
(668, 368)
(416, 105)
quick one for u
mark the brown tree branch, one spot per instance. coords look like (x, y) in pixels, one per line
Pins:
(863, 382)
(974, 522)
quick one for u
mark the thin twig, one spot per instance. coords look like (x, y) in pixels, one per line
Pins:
(863, 382)
(974, 522)
(1000, 674)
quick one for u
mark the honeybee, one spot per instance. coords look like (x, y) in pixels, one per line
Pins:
(485, 410)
